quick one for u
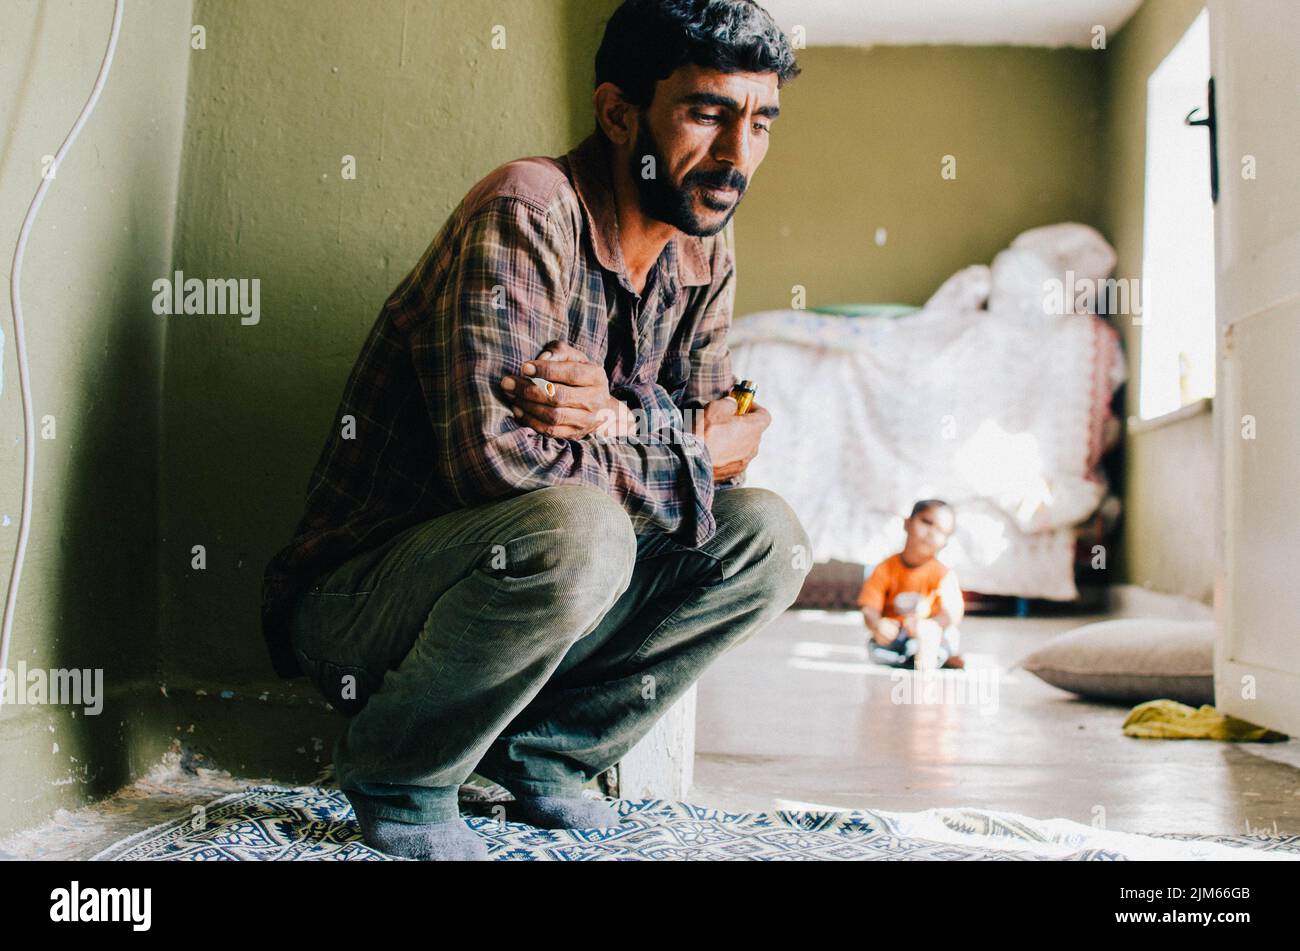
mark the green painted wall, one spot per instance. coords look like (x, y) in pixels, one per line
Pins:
(1169, 472)
(89, 590)
(859, 146)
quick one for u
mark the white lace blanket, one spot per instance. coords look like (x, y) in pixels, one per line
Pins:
(1003, 415)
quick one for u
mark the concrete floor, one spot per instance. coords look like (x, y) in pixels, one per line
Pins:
(798, 716)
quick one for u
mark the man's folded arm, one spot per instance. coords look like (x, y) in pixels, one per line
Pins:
(511, 296)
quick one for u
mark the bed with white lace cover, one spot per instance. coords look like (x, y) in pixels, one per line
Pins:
(981, 399)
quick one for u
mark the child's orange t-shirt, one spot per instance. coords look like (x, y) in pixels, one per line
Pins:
(932, 581)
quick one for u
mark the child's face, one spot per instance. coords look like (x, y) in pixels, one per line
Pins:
(928, 531)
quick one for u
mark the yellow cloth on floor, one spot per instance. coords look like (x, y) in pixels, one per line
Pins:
(1171, 720)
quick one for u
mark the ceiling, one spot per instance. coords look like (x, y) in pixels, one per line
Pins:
(966, 22)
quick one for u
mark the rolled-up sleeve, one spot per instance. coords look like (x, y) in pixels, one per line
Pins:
(513, 280)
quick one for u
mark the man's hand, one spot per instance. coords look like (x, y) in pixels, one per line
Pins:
(581, 403)
(732, 440)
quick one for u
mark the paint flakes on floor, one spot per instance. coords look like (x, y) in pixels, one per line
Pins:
(174, 787)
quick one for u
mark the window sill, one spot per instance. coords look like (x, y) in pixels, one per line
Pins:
(1195, 408)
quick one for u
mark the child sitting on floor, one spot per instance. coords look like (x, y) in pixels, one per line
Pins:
(911, 603)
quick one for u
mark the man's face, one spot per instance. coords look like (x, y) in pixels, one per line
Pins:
(707, 132)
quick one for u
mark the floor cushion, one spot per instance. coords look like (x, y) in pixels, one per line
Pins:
(1131, 660)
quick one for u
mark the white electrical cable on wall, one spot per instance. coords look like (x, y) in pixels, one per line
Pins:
(20, 341)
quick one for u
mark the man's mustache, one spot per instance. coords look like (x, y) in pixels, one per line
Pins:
(722, 179)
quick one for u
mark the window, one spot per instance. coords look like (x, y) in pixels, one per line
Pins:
(1177, 294)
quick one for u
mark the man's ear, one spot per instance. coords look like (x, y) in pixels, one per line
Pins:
(615, 115)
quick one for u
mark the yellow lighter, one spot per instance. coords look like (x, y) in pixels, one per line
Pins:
(743, 394)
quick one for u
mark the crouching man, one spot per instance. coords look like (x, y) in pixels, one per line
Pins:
(496, 557)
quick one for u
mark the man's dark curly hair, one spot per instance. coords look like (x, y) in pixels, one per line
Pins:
(647, 40)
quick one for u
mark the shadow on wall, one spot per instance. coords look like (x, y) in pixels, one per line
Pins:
(89, 597)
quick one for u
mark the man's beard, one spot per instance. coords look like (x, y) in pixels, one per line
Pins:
(664, 201)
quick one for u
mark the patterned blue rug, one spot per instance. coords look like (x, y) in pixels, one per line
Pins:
(271, 823)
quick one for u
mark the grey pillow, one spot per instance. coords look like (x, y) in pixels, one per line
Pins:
(1131, 660)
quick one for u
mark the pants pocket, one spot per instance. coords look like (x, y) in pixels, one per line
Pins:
(321, 640)
(345, 687)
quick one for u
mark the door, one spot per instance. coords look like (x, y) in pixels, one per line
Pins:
(1257, 278)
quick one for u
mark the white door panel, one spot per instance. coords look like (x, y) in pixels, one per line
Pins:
(1263, 497)
(1255, 47)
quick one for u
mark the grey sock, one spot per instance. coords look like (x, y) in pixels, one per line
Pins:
(554, 812)
(450, 841)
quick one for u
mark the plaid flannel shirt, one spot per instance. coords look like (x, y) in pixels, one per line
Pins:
(530, 255)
